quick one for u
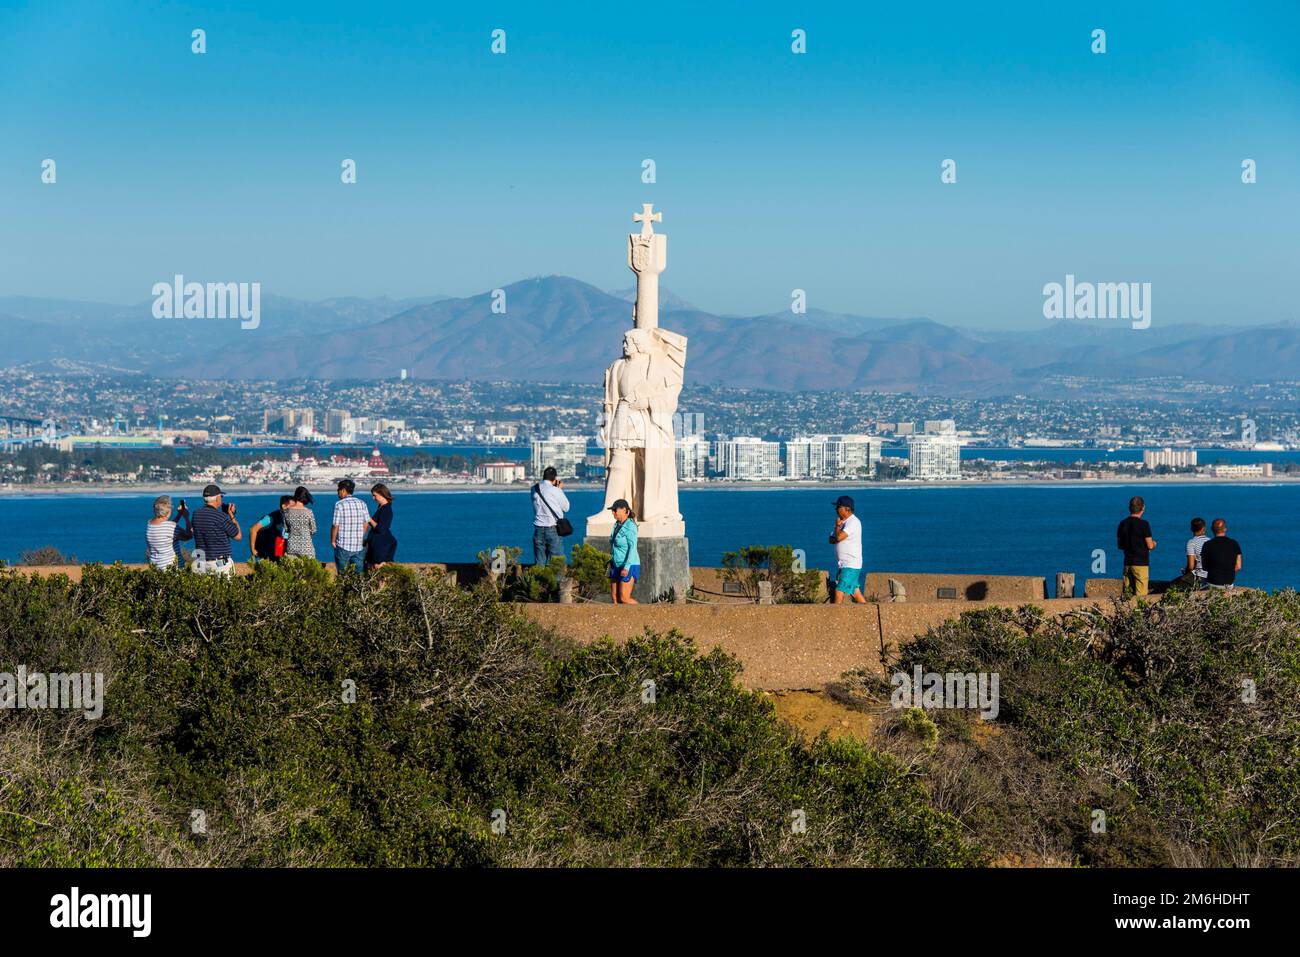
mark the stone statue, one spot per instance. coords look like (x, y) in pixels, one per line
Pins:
(641, 391)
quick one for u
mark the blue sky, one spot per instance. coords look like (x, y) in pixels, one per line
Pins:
(775, 171)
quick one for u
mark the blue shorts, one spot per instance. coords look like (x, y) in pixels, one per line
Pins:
(848, 580)
(633, 572)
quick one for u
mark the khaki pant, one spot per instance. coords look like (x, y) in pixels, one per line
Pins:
(1137, 578)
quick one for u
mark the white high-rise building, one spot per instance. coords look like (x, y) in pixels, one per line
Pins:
(692, 458)
(935, 456)
(687, 424)
(1174, 458)
(805, 457)
(747, 459)
(832, 456)
(565, 452)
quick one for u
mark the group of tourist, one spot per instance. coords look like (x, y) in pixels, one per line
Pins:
(1212, 562)
(359, 540)
(365, 542)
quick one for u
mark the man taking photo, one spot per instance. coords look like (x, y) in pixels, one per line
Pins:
(214, 528)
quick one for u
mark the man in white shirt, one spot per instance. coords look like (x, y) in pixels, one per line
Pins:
(549, 505)
(847, 539)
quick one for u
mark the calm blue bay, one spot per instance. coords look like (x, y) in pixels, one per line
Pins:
(1009, 530)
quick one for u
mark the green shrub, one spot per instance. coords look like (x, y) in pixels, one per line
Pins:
(384, 720)
(1139, 711)
(753, 564)
(589, 568)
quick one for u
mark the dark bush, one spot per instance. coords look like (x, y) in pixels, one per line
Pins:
(46, 555)
(289, 718)
(1180, 721)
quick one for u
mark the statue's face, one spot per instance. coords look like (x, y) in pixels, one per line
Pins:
(632, 344)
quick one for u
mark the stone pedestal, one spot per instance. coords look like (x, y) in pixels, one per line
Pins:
(665, 567)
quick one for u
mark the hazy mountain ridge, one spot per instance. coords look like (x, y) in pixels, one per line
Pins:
(558, 328)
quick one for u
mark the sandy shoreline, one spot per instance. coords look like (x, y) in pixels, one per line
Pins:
(236, 491)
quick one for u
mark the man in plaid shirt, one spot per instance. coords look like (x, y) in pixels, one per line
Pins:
(348, 532)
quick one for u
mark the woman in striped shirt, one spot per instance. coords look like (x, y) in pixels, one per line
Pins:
(162, 534)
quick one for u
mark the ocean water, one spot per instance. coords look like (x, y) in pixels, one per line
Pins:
(977, 529)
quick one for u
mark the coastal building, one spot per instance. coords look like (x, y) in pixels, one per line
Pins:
(336, 421)
(373, 425)
(692, 458)
(749, 459)
(934, 456)
(312, 471)
(564, 452)
(284, 421)
(832, 457)
(1262, 470)
(499, 432)
(501, 473)
(687, 424)
(111, 441)
(1173, 458)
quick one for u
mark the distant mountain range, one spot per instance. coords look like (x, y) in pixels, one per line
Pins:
(561, 329)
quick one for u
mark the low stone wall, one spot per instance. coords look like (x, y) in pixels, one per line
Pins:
(1103, 588)
(921, 588)
(928, 588)
(782, 647)
(709, 586)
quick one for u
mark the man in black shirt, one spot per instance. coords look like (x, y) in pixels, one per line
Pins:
(1133, 537)
(1221, 557)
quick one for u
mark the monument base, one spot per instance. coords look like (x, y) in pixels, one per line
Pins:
(665, 567)
(601, 525)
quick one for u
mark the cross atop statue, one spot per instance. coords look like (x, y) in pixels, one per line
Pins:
(645, 218)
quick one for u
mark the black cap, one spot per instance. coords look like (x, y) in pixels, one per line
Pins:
(210, 491)
(844, 502)
(621, 503)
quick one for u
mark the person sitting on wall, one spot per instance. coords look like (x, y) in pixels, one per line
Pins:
(1221, 557)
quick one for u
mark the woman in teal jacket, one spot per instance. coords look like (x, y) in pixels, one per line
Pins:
(624, 563)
